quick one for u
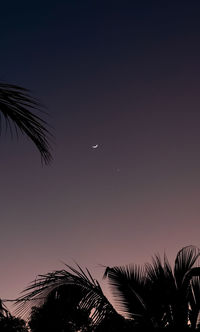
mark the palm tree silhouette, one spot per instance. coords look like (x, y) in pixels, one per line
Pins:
(157, 296)
(15, 106)
(153, 296)
(92, 298)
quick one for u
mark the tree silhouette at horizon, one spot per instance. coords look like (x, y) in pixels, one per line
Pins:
(9, 323)
(61, 312)
(149, 297)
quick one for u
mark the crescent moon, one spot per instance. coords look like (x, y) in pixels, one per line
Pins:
(95, 146)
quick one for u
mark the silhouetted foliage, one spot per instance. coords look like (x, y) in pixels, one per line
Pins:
(15, 106)
(115, 323)
(61, 313)
(12, 324)
(92, 299)
(8, 323)
(157, 296)
(151, 297)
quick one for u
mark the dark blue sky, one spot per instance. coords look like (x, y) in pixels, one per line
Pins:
(124, 75)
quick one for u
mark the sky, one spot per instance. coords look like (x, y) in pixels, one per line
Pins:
(121, 74)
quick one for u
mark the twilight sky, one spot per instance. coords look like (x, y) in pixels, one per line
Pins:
(121, 74)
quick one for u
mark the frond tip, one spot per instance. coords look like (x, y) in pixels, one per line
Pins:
(16, 105)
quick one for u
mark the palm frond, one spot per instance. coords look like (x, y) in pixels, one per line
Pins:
(194, 301)
(3, 310)
(155, 270)
(193, 272)
(92, 298)
(185, 260)
(195, 291)
(161, 278)
(15, 106)
(128, 288)
(161, 283)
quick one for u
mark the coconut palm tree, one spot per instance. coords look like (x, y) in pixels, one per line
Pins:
(153, 296)
(157, 296)
(16, 107)
(92, 299)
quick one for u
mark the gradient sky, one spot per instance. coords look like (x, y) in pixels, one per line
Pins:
(121, 74)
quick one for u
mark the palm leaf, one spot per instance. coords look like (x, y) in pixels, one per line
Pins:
(15, 106)
(162, 295)
(194, 272)
(3, 310)
(194, 301)
(185, 260)
(161, 279)
(128, 288)
(92, 299)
